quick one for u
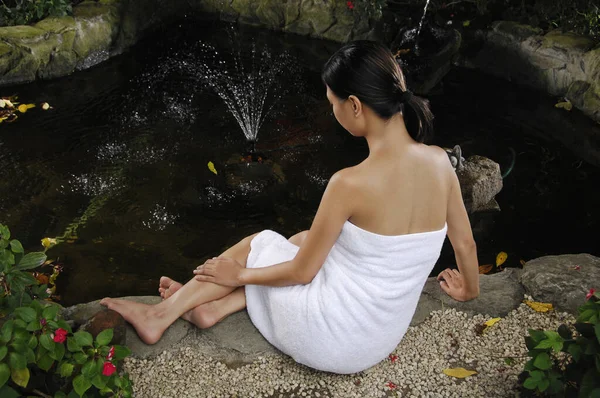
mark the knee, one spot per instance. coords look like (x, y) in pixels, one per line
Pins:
(204, 318)
(298, 238)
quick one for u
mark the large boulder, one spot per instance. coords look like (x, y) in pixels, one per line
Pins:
(480, 181)
(562, 64)
(562, 280)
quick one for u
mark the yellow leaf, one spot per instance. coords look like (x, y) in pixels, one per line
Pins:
(20, 377)
(466, 23)
(484, 269)
(48, 242)
(566, 105)
(539, 307)
(492, 322)
(459, 373)
(501, 258)
(523, 262)
(10, 104)
(211, 167)
(22, 108)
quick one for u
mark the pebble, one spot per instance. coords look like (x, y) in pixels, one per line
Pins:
(446, 339)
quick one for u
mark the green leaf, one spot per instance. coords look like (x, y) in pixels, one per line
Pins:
(89, 369)
(80, 358)
(597, 330)
(81, 384)
(58, 353)
(543, 385)
(66, 369)
(83, 338)
(99, 382)
(30, 355)
(72, 345)
(586, 315)
(46, 342)
(6, 332)
(27, 314)
(3, 351)
(60, 394)
(530, 383)
(4, 373)
(8, 392)
(17, 361)
(104, 337)
(542, 361)
(537, 335)
(31, 260)
(49, 313)
(34, 325)
(4, 232)
(20, 377)
(121, 352)
(565, 332)
(595, 393)
(588, 383)
(64, 325)
(16, 246)
(45, 362)
(544, 344)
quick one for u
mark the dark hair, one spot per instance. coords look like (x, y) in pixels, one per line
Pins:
(369, 71)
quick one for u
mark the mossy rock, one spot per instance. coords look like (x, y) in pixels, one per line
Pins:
(57, 25)
(5, 50)
(92, 9)
(21, 34)
(514, 30)
(567, 41)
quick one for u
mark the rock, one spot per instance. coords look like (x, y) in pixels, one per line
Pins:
(562, 64)
(499, 294)
(554, 279)
(480, 182)
(107, 319)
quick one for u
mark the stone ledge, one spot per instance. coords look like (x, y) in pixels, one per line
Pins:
(236, 341)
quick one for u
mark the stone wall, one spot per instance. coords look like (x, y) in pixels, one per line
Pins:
(97, 30)
(561, 64)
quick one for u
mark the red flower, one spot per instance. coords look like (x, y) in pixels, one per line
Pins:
(350, 5)
(577, 268)
(60, 335)
(111, 353)
(590, 294)
(391, 385)
(108, 369)
(43, 322)
(393, 358)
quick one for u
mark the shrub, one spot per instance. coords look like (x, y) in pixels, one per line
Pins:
(24, 12)
(564, 364)
(39, 353)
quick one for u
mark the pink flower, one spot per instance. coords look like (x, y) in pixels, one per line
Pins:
(350, 5)
(393, 358)
(111, 353)
(108, 369)
(577, 268)
(590, 294)
(391, 385)
(43, 322)
(60, 335)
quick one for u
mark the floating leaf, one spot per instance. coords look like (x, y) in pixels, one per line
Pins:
(2, 103)
(45, 106)
(8, 103)
(466, 23)
(501, 258)
(566, 105)
(484, 269)
(539, 307)
(48, 242)
(459, 373)
(211, 167)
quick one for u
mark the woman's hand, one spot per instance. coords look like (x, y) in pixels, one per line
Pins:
(453, 283)
(220, 270)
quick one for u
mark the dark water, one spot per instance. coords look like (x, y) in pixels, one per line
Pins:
(119, 166)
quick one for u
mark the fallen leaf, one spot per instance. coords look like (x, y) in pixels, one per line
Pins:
(9, 103)
(211, 167)
(2, 103)
(43, 279)
(566, 105)
(501, 258)
(484, 269)
(459, 373)
(539, 307)
(45, 106)
(491, 322)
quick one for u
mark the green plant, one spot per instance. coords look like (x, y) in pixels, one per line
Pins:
(23, 12)
(564, 364)
(39, 353)
(372, 9)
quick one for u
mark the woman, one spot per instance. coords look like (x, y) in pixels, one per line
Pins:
(340, 296)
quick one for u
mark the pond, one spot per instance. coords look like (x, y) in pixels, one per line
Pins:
(119, 166)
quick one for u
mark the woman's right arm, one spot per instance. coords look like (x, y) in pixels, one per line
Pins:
(462, 285)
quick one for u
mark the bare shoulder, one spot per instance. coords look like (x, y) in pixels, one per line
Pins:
(440, 157)
(344, 178)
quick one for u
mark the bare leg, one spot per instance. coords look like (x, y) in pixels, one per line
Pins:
(207, 314)
(151, 321)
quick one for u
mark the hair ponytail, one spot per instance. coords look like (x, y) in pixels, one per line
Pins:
(368, 70)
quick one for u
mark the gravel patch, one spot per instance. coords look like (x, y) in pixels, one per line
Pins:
(447, 339)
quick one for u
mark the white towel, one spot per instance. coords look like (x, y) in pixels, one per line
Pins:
(357, 308)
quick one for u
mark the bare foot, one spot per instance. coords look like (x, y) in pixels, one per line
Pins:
(142, 317)
(167, 287)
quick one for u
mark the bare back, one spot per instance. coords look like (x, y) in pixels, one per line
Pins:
(402, 193)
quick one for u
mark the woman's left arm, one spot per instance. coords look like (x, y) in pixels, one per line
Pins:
(335, 208)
